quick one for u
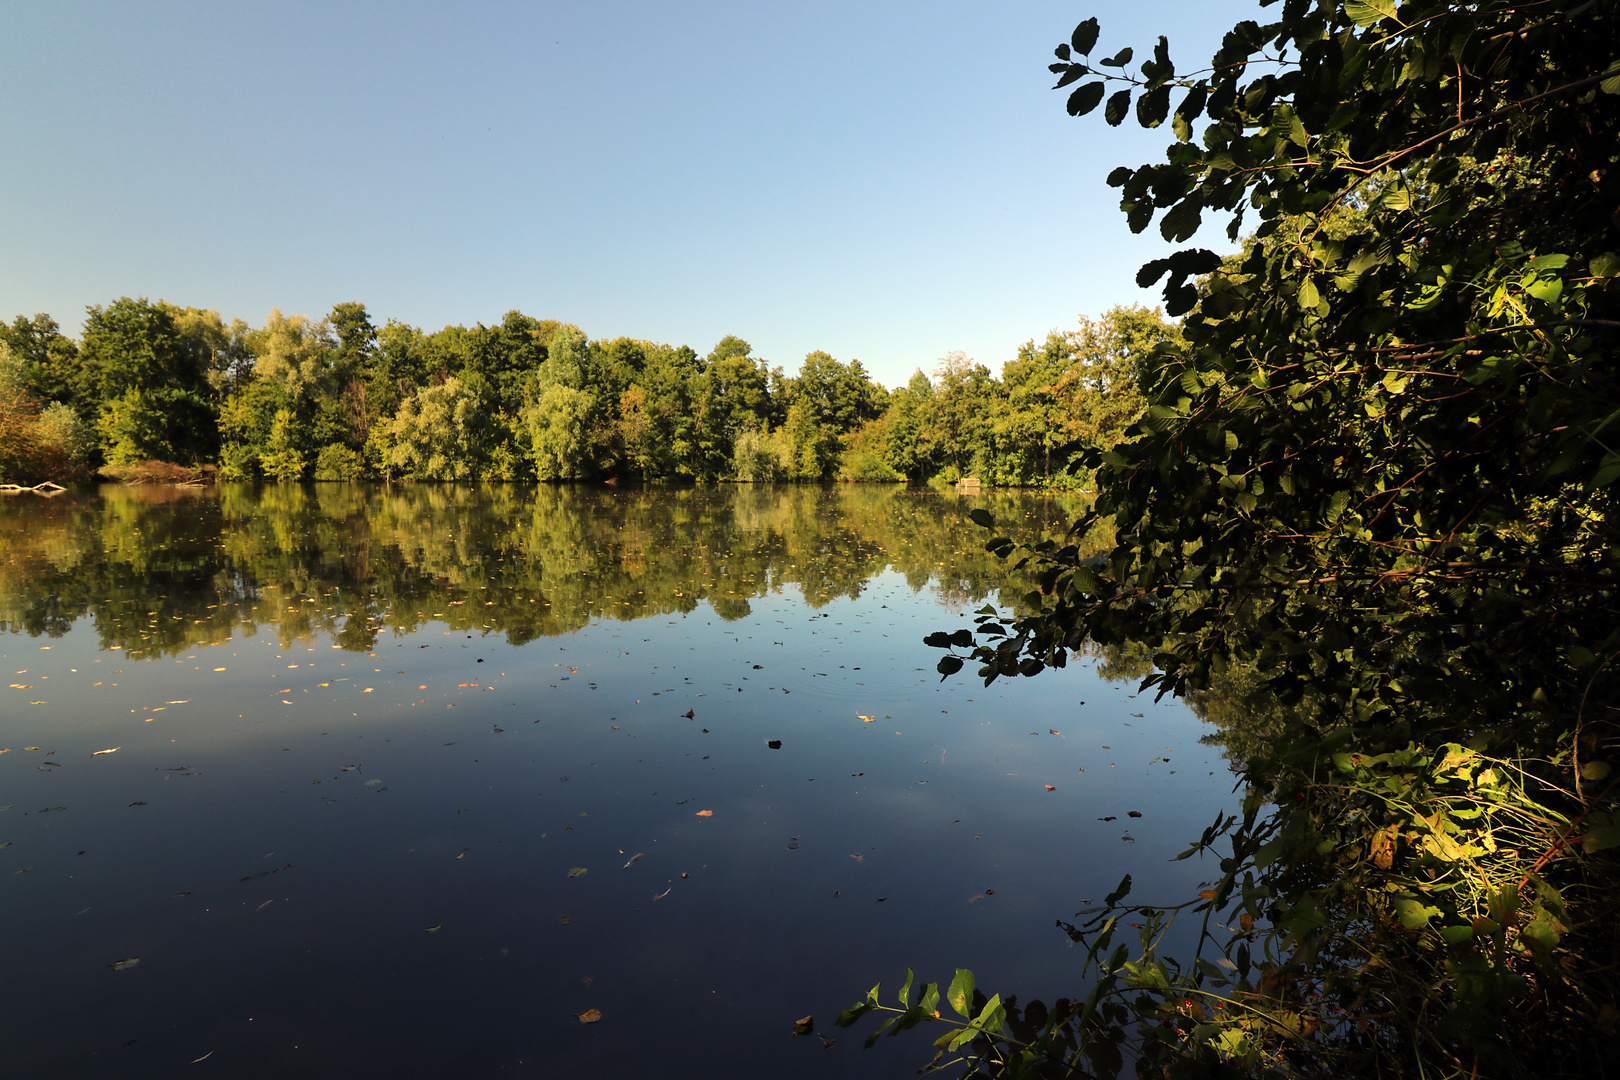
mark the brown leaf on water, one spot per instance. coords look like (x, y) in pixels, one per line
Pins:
(826, 1043)
(1053, 731)
(578, 871)
(774, 744)
(1133, 813)
(589, 1016)
(125, 964)
(858, 858)
(1110, 817)
(1049, 787)
(804, 1026)
(637, 857)
(705, 813)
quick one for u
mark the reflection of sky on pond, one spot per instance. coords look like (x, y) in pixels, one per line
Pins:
(274, 841)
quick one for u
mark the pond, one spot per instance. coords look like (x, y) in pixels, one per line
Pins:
(377, 782)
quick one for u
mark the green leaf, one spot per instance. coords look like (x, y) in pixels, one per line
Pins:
(1367, 12)
(905, 990)
(1595, 770)
(1602, 833)
(992, 1018)
(1153, 106)
(1120, 893)
(1116, 108)
(1084, 38)
(1414, 913)
(1119, 59)
(948, 665)
(1073, 73)
(1182, 220)
(1605, 265)
(1547, 290)
(961, 992)
(1308, 296)
(982, 517)
(1083, 100)
(850, 1015)
(1611, 85)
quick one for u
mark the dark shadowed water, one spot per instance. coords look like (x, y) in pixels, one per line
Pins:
(381, 782)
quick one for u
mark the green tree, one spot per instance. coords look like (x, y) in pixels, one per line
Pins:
(282, 460)
(49, 358)
(957, 413)
(1376, 472)
(435, 434)
(346, 410)
(144, 389)
(558, 428)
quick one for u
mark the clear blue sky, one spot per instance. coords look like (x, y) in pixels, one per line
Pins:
(885, 181)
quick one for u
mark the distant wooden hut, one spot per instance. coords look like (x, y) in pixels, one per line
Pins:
(968, 485)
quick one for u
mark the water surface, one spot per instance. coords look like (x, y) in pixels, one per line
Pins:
(383, 759)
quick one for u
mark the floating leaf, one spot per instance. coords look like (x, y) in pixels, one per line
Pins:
(804, 1025)
(112, 750)
(637, 857)
(774, 744)
(578, 871)
(589, 1016)
(125, 964)
(858, 716)
(1050, 787)
(705, 813)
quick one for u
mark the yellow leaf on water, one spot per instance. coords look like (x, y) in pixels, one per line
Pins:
(865, 719)
(589, 1016)
(578, 871)
(705, 813)
(219, 669)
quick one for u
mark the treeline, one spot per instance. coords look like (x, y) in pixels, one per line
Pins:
(341, 398)
(160, 570)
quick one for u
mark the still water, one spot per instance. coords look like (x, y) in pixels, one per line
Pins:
(382, 782)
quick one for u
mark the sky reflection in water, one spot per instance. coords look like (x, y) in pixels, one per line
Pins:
(363, 739)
